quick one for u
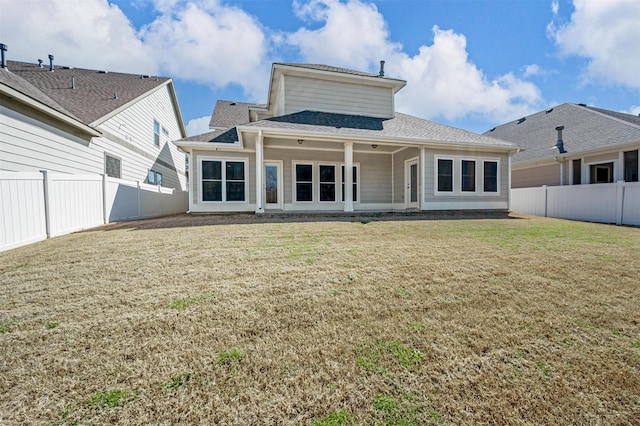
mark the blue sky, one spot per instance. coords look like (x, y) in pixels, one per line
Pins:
(472, 64)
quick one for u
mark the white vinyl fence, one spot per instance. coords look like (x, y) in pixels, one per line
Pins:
(617, 203)
(39, 205)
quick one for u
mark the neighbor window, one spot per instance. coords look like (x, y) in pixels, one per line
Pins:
(154, 178)
(223, 180)
(577, 171)
(327, 183)
(445, 175)
(490, 176)
(355, 182)
(112, 166)
(468, 176)
(601, 173)
(156, 133)
(165, 131)
(304, 182)
(631, 166)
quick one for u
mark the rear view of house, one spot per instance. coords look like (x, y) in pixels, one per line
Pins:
(329, 139)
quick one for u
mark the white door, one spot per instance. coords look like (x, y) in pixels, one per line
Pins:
(272, 189)
(411, 184)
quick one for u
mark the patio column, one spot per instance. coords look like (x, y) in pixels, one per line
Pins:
(348, 176)
(423, 178)
(259, 167)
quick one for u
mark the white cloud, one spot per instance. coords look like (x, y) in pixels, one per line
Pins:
(555, 7)
(441, 80)
(634, 110)
(211, 44)
(198, 126)
(80, 33)
(606, 32)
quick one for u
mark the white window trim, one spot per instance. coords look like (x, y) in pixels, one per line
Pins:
(224, 179)
(453, 175)
(491, 160)
(357, 166)
(614, 169)
(336, 191)
(159, 133)
(457, 176)
(294, 180)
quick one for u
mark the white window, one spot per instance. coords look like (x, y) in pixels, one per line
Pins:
(223, 180)
(154, 178)
(156, 133)
(327, 189)
(466, 176)
(304, 182)
(490, 176)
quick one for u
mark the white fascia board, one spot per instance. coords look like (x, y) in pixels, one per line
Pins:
(573, 155)
(37, 105)
(332, 137)
(186, 145)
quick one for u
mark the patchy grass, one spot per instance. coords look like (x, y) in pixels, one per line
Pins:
(414, 322)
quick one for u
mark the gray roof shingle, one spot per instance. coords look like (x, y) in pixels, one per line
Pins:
(402, 126)
(321, 67)
(93, 97)
(217, 136)
(230, 113)
(585, 129)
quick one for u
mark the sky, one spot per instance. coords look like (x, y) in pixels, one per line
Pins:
(472, 64)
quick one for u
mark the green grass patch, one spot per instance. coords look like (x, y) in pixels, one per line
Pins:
(52, 325)
(182, 304)
(5, 327)
(635, 345)
(379, 357)
(111, 399)
(543, 369)
(339, 418)
(404, 410)
(229, 357)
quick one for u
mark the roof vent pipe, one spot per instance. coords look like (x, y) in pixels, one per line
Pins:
(73, 82)
(51, 63)
(560, 143)
(3, 48)
(381, 74)
(40, 63)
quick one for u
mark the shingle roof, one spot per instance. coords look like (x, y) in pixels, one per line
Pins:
(585, 129)
(230, 113)
(402, 126)
(93, 97)
(217, 136)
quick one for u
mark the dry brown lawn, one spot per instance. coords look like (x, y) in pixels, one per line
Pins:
(408, 322)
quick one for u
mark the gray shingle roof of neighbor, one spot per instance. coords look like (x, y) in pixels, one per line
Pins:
(585, 129)
(94, 95)
(402, 126)
(217, 136)
(230, 113)
(320, 67)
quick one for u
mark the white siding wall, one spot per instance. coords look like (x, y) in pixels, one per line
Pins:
(28, 143)
(338, 97)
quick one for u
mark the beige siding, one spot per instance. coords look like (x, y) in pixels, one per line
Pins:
(302, 94)
(536, 176)
(602, 158)
(477, 199)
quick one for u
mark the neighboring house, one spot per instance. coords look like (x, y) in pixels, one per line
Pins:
(291, 154)
(79, 121)
(573, 144)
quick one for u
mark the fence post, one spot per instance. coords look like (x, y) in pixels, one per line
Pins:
(46, 181)
(546, 199)
(105, 210)
(619, 201)
(139, 200)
